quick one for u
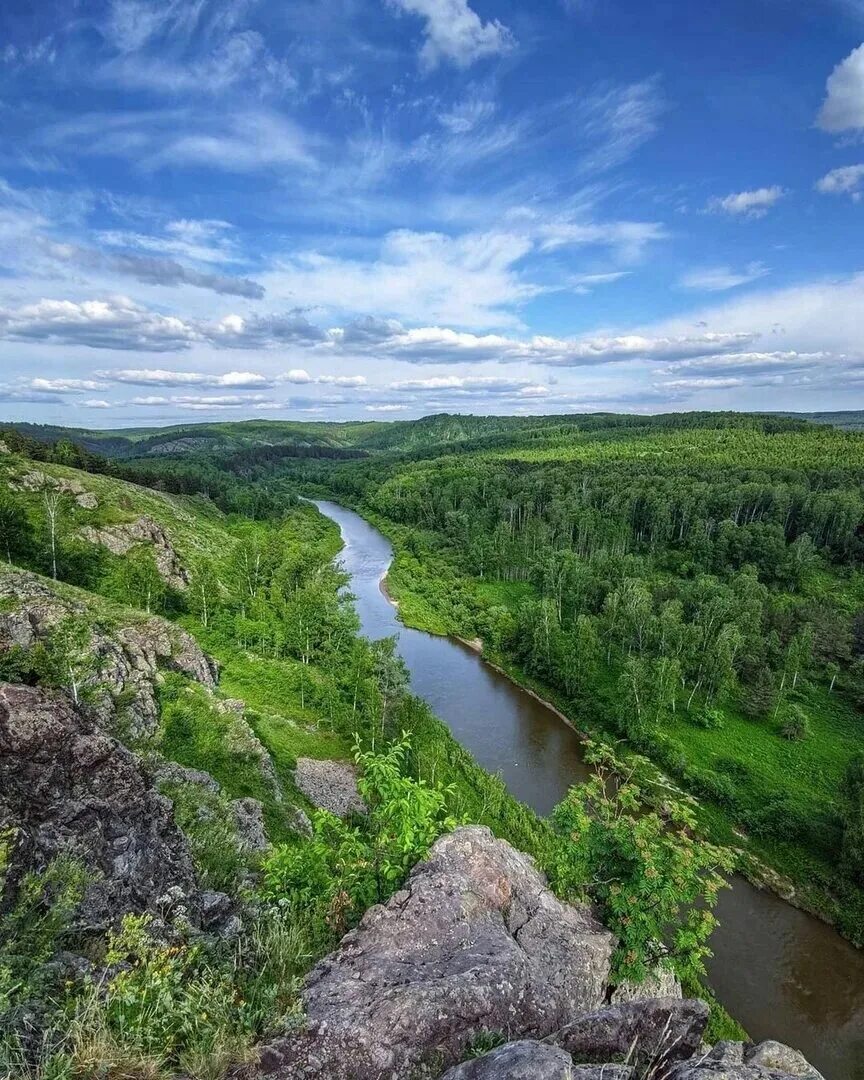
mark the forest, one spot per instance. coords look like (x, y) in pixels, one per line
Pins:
(689, 586)
(150, 995)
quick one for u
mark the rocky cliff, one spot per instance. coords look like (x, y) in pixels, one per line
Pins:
(474, 946)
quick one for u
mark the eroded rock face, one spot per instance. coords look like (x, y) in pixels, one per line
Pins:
(36, 480)
(475, 941)
(121, 665)
(120, 539)
(67, 787)
(330, 785)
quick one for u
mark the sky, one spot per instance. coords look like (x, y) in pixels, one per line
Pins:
(381, 209)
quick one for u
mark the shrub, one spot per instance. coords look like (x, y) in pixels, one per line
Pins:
(655, 884)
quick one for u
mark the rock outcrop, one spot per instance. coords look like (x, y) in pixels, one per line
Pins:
(532, 1060)
(330, 785)
(36, 480)
(66, 787)
(475, 941)
(654, 1032)
(121, 666)
(120, 539)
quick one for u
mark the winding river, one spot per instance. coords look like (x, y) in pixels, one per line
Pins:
(783, 974)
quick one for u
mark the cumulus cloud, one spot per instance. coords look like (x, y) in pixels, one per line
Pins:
(441, 345)
(848, 180)
(259, 331)
(161, 377)
(843, 108)
(454, 32)
(389, 407)
(748, 204)
(115, 323)
(721, 278)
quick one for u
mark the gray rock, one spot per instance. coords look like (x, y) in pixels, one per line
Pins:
(525, 1060)
(734, 1061)
(121, 666)
(121, 539)
(780, 1059)
(330, 785)
(661, 983)
(36, 480)
(727, 1053)
(298, 821)
(249, 823)
(169, 772)
(475, 941)
(602, 1072)
(69, 788)
(653, 1032)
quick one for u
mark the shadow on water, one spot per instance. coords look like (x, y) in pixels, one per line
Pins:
(783, 974)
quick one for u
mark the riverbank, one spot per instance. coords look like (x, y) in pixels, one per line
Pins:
(414, 602)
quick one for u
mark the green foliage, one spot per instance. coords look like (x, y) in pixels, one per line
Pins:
(33, 928)
(654, 883)
(347, 867)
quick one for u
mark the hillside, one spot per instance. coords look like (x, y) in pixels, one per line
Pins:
(207, 777)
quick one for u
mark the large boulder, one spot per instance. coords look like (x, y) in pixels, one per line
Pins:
(66, 787)
(657, 1032)
(474, 942)
(523, 1060)
(739, 1061)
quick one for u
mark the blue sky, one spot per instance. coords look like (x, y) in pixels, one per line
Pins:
(331, 209)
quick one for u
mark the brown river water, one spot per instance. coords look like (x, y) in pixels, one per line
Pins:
(781, 973)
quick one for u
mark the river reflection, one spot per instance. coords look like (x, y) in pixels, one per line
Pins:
(781, 973)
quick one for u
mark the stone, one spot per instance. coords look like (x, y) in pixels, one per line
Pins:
(121, 539)
(474, 942)
(524, 1060)
(778, 1058)
(298, 821)
(661, 983)
(330, 785)
(69, 788)
(735, 1061)
(660, 1030)
(248, 817)
(169, 772)
(36, 480)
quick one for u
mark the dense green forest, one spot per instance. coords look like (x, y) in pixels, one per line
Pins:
(251, 576)
(689, 584)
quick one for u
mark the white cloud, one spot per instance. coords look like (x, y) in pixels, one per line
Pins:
(456, 33)
(721, 278)
(342, 380)
(160, 377)
(469, 386)
(228, 141)
(115, 323)
(750, 204)
(63, 386)
(823, 317)
(619, 119)
(843, 108)
(385, 408)
(97, 403)
(848, 180)
(749, 363)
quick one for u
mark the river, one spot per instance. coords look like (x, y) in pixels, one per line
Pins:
(781, 973)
